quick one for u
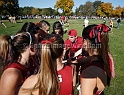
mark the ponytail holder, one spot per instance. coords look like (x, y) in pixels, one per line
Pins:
(50, 41)
(104, 28)
(30, 37)
(95, 33)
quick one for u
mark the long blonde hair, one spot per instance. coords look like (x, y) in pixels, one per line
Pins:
(52, 49)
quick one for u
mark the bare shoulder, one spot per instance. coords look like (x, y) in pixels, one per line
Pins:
(13, 77)
(30, 81)
(12, 74)
(28, 85)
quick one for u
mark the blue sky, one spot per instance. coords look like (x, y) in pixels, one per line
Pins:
(51, 3)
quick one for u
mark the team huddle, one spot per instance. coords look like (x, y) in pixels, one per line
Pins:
(37, 61)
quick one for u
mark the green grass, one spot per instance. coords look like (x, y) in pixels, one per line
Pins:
(116, 44)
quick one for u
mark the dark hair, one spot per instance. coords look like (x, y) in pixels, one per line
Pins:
(58, 25)
(43, 23)
(12, 47)
(98, 35)
(27, 27)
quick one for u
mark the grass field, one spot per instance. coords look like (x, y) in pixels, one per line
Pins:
(116, 44)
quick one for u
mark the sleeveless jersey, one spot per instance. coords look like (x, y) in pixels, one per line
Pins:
(65, 78)
(19, 67)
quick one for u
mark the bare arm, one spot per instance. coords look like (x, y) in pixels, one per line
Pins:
(10, 80)
(28, 85)
(88, 81)
(87, 86)
(74, 74)
(93, 79)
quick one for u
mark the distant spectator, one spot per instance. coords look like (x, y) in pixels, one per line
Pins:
(86, 21)
(66, 21)
(111, 25)
(119, 22)
(104, 20)
(63, 19)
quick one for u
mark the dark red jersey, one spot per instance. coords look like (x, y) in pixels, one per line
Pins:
(65, 78)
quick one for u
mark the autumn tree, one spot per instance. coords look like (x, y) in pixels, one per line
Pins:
(105, 9)
(117, 12)
(99, 12)
(123, 12)
(10, 6)
(65, 5)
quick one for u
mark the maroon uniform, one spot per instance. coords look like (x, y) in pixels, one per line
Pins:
(65, 78)
(20, 67)
(25, 71)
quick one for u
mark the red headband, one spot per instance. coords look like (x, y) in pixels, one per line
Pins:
(50, 41)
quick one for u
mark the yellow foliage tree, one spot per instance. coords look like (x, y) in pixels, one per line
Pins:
(118, 11)
(65, 5)
(100, 12)
(105, 9)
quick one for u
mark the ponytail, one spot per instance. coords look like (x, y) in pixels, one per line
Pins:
(104, 54)
(48, 82)
(48, 66)
(5, 48)
(48, 71)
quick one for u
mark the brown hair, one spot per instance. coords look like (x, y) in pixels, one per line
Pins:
(12, 47)
(97, 35)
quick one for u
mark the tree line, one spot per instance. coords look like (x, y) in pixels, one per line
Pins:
(97, 8)
(100, 9)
